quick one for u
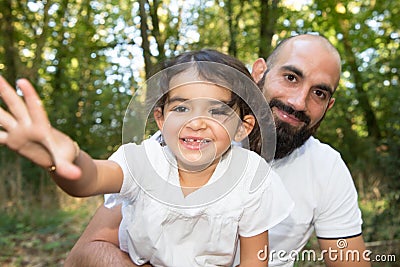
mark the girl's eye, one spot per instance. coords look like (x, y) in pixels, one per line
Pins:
(218, 111)
(180, 109)
(290, 77)
(222, 114)
(221, 111)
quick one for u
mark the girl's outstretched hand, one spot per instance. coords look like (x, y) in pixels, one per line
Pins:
(25, 128)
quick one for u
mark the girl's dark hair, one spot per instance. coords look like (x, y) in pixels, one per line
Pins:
(219, 74)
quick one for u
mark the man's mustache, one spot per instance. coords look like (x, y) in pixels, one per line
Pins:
(300, 115)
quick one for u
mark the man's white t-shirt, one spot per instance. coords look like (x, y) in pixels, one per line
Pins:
(325, 199)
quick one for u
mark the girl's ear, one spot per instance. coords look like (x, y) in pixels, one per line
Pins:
(159, 117)
(245, 127)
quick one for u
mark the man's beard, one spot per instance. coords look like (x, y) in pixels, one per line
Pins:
(288, 138)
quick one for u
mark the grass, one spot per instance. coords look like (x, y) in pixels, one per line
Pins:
(43, 237)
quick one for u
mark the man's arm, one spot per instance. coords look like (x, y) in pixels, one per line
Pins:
(254, 250)
(98, 245)
(349, 252)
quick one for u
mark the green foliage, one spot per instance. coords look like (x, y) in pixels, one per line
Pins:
(86, 60)
(35, 236)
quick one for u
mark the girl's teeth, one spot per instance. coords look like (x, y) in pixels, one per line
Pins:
(198, 140)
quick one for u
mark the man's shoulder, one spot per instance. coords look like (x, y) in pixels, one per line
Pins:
(315, 148)
(312, 153)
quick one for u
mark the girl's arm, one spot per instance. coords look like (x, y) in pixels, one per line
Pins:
(254, 250)
(97, 177)
(26, 129)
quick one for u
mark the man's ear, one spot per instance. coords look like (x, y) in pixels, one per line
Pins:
(159, 117)
(330, 104)
(259, 67)
(245, 128)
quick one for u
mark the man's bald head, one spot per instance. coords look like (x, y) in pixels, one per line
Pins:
(311, 42)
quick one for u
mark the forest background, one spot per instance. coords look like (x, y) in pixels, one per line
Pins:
(87, 58)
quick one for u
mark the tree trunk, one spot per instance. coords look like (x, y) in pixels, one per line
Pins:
(10, 176)
(156, 31)
(364, 103)
(268, 17)
(7, 26)
(232, 49)
(145, 38)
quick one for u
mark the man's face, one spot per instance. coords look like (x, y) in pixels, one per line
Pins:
(299, 88)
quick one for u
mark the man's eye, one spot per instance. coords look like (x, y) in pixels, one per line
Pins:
(321, 94)
(180, 109)
(290, 77)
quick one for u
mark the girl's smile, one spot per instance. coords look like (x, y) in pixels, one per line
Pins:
(194, 143)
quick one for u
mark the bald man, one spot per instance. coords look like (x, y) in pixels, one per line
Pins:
(298, 80)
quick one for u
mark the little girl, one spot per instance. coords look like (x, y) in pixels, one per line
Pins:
(185, 203)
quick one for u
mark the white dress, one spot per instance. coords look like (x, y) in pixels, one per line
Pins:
(243, 197)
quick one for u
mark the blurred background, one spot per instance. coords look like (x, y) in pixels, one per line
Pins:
(87, 59)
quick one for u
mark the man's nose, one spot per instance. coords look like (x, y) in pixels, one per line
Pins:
(298, 99)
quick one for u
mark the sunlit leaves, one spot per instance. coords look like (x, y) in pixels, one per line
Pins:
(86, 57)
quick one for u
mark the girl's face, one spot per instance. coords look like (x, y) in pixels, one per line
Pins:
(198, 125)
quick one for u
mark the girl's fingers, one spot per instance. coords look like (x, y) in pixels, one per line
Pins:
(26, 129)
(3, 137)
(33, 103)
(14, 103)
(68, 170)
(6, 120)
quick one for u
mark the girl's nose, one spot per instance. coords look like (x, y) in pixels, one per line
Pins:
(197, 123)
